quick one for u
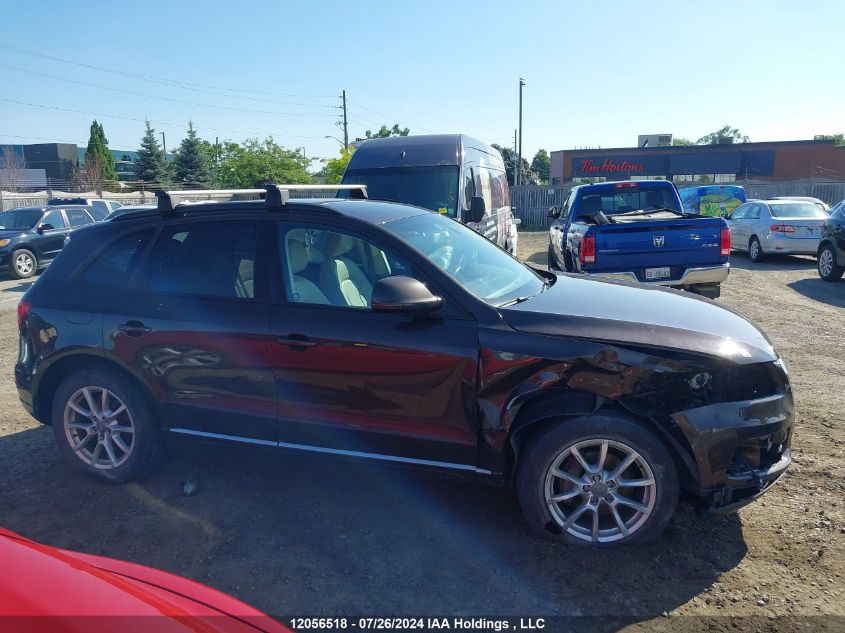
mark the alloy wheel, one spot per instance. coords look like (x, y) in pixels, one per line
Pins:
(755, 249)
(99, 428)
(826, 262)
(24, 263)
(600, 490)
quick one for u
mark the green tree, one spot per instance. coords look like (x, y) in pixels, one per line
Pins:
(336, 166)
(509, 156)
(540, 165)
(151, 165)
(385, 131)
(680, 140)
(191, 165)
(97, 153)
(839, 138)
(258, 162)
(726, 131)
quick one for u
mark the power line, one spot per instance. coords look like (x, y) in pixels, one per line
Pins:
(388, 116)
(160, 98)
(187, 85)
(126, 118)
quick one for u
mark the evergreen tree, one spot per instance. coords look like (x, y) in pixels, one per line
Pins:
(151, 165)
(98, 152)
(191, 165)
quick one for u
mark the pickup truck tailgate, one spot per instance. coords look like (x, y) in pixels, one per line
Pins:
(677, 243)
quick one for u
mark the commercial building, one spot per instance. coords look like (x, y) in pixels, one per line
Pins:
(777, 160)
(56, 159)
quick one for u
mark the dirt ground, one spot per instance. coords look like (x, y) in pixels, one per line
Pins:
(304, 536)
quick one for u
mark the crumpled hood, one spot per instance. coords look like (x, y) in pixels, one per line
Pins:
(628, 313)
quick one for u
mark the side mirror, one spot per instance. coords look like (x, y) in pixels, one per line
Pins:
(554, 212)
(403, 294)
(46, 227)
(477, 209)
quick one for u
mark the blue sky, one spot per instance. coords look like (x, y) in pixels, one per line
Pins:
(598, 73)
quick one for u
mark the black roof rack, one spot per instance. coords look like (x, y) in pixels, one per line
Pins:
(274, 196)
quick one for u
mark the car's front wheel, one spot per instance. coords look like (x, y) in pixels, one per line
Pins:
(552, 264)
(24, 264)
(600, 480)
(103, 425)
(828, 270)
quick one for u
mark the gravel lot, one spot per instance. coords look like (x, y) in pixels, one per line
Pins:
(301, 536)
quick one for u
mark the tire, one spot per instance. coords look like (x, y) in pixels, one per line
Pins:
(554, 446)
(828, 270)
(755, 250)
(552, 264)
(132, 448)
(23, 264)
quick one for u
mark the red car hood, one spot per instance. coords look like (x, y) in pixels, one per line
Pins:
(47, 589)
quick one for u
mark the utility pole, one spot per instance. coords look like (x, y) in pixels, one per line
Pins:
(518, 178)
(513, 157)
(345, 125)
(164, 146)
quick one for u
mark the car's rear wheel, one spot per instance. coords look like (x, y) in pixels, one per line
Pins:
(23, 264)
(600, 480)
(103, 425)
(755, 250)
(828, 270)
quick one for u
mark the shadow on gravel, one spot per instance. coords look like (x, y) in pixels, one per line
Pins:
(23, 286)
(773, 262)
(824, 291)
(306, 536)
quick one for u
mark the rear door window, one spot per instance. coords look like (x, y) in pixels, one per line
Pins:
(78, 217)
(212, 259)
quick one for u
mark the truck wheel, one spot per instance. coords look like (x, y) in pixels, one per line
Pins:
(552, 264)
(23, 264)
(600, 480)
(828, 270)
(755, 249)
(711, 291)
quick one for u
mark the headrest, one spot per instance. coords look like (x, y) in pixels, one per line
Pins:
(591, 204)
(337, 244)
(297, 256)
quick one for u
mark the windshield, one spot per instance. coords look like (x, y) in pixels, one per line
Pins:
(797, 210)
(19, 218)
(625, 200)
(480, 266)
(434, 188)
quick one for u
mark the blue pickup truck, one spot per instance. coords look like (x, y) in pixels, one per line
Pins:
(638, 231)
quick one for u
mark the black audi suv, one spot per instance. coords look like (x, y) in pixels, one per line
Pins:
(383, 331)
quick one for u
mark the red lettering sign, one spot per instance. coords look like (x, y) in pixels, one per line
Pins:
(609, 166)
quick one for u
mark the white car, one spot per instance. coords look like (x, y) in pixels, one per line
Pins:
(770, 227)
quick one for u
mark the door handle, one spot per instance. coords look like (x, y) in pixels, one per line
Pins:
(296, 340)
(133, 328)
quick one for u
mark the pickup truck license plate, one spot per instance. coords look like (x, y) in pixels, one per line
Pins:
(657, 273)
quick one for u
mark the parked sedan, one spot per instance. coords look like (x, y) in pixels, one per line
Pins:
(43, 588)
(776, 227)
(832, 245)
(31, 237)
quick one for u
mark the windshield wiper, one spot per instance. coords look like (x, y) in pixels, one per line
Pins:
(514, 301)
